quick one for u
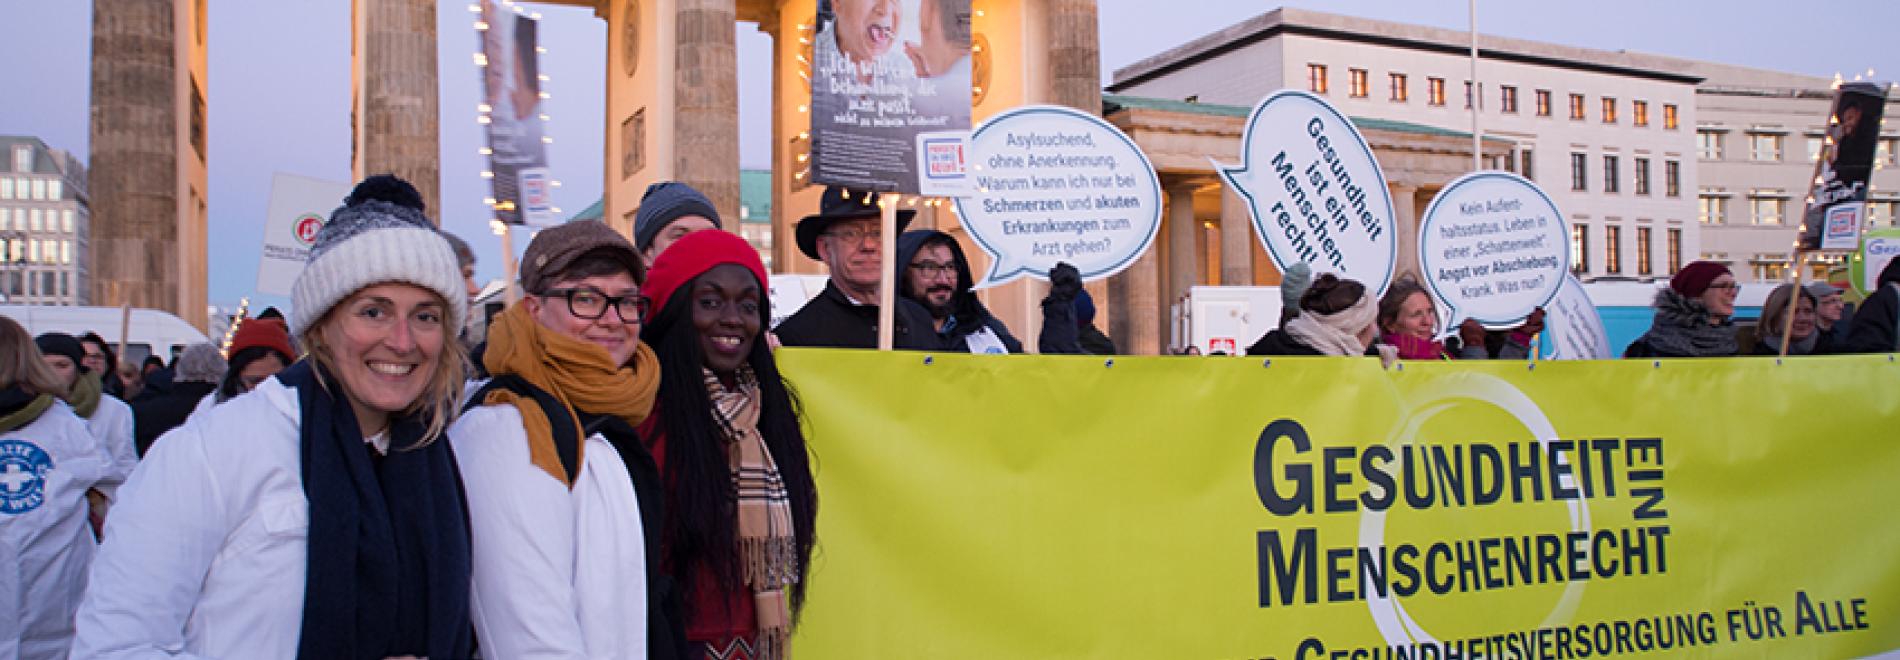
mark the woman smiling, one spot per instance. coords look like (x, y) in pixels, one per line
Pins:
(320, 514)
(741, 503)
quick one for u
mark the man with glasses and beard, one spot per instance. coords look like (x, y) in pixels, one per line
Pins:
(846, 234)
(936, 275)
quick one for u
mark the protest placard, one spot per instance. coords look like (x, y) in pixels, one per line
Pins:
(1315, 191)
(298, 208)
(1572, 326)
(890, 96)
(1055, 184)
(1493, 248)
(1877, 249)
(1837, 201)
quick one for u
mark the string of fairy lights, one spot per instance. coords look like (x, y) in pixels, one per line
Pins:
(484, 113)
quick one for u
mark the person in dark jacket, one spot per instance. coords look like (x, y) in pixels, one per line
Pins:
(1692, 315)
(1876, 327)
(1337, 317)
(1807, 339)
(936, 275)
(1831, 316)
(741, 502)
(197, 374)
(1093, 340)
(845, 234)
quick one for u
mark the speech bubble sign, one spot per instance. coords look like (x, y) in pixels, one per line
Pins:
(1056, 184)
(1315, 191)
(1877, 247)
(1573, 326)
(1493, 248)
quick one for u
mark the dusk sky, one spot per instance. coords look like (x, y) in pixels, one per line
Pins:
(279, 82)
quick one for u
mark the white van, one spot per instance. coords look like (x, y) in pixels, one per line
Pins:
(152, 331)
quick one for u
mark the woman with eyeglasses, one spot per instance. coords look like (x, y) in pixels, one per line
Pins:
(563, 498)
(1692, 315)
(741, 503)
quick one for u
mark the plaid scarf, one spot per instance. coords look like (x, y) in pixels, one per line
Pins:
(767, 547)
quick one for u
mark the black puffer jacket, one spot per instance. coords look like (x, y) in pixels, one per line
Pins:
(831, 320)
(1876, 326)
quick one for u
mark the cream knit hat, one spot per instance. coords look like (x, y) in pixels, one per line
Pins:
(373, 242)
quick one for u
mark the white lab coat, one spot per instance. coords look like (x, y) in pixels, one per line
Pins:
(204, 554)
(111, 423)
(46, 467)
(559, 573)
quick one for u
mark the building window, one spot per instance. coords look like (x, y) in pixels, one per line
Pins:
(65, 288)
(1642, 251)
(1708, 145)
(1400, 92)
(1358, 84)
(22, 159)
(1508, 103)
(55, 189)
(1612, 250)
(1672, 178)
(1675, 250)
(1468, 96)
(1580, 248)
(39, 188)
(1526, 160)
(65, 252)
(1579, 178)
(1714, 209)
(1887, 151)
(66, 221)
(1764, 147)
(6, 187)
(1768, 210)
(1609, 110)
(38, 220)
(19, 219)
(1669, 116)
(1642, 176)
(1316, 78)
(1435, 91)
(197, 119)
(33, 251)
(1576, 106)
(1543, 103)
(1612, 182)
(1814, 149)
(1639, 113)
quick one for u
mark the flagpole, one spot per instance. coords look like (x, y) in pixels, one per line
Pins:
(1476, 91)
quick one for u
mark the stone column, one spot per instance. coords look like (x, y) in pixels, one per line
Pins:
(397, 90)
(1236, 238)
(135, 155)
(1405, 223)
(1184, 258)
(706, 98)
(1075, 59)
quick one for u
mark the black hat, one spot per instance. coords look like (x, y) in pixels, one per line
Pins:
(60, 343)
(839, 204)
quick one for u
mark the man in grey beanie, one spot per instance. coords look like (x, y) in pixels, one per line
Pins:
(668, 211)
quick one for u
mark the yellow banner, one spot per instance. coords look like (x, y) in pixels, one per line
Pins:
(1171, 507)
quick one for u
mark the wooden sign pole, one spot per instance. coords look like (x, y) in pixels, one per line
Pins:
(887, 252)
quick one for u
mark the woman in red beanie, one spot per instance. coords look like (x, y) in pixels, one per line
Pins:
(1692, 315)
(741, 503)
(259, 349)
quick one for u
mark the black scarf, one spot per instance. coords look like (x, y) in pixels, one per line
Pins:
(388, 567)
(1683, 328)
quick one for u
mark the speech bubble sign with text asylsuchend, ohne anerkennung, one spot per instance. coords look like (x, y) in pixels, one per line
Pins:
(1054, 185)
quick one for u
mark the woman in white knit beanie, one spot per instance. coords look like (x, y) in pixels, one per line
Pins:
(320, 514)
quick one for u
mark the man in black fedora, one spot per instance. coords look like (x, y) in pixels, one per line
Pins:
(846, 234)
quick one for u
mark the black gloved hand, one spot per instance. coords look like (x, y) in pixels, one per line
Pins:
(1064, 282)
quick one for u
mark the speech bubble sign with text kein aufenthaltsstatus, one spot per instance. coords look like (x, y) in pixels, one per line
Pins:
(1315, 191)
(1493, 248)
(1055, 184)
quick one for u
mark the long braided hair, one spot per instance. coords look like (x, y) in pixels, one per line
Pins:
(700, 500)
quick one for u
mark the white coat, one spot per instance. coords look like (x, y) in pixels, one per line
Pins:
(558, 573)
(204, 554)
(111, 423)
(46, 467)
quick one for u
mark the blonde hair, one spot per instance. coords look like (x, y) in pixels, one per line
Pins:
(21, 363)
(441, 400)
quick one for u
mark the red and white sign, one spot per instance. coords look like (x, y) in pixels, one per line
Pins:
(298, 209)
(306, 228)
(1222, 345)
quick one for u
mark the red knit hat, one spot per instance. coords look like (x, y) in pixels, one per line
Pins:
(694, 254)
(1695, 278)
(268, 333)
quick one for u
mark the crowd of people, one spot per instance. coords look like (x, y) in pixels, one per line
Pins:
(618, 469)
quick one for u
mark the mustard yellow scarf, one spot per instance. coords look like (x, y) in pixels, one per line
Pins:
(577, 373)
